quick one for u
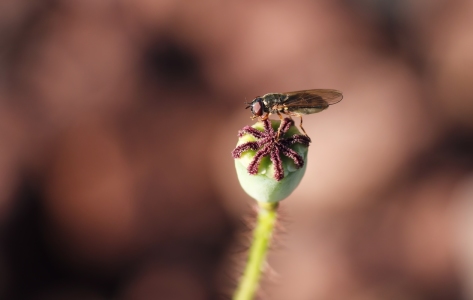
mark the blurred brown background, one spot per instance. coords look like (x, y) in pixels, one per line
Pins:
(117, 119)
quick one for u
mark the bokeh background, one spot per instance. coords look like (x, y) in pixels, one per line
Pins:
(117, 119)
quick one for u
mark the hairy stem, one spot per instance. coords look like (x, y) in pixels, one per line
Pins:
(257, 255)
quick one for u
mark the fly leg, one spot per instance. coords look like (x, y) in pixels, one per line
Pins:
(279, 130)
(265, 117)
(300, 125)
(303, 129)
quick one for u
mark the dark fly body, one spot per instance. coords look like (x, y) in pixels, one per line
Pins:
(295, 104)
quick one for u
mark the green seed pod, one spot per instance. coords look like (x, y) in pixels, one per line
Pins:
(269, 167)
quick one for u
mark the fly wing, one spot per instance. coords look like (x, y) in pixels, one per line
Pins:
(312, 98)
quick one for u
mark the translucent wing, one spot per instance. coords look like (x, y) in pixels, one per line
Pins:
(312, 98)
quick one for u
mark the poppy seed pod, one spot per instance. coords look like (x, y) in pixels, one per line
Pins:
(271, 159)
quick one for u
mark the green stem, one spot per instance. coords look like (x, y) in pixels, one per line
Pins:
(257, 255)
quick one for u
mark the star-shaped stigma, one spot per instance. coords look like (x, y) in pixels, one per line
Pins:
(268, 144)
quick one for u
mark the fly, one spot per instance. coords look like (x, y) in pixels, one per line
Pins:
(293, 104)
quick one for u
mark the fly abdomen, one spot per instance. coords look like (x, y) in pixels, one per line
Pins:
(304, 110)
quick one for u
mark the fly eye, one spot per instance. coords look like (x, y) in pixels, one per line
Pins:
(257, 109)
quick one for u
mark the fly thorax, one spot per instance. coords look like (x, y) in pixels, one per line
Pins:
(267, 105)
